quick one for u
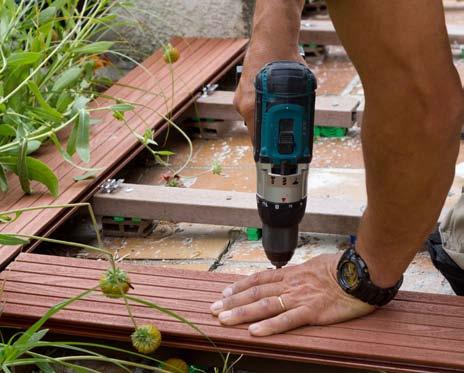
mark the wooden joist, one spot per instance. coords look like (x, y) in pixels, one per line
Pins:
(331, 111)
(414, 333)
(112, 144)
(323, 215)
(336, 200)
(323, 32)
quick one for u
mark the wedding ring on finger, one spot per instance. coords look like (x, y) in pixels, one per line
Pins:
(282, 304)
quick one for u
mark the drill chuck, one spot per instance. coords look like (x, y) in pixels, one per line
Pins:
(284, 127)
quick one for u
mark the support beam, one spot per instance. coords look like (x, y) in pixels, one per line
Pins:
(323, 215)
(323, 32)
(331, 111)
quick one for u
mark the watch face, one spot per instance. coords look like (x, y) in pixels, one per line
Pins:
(349, 275)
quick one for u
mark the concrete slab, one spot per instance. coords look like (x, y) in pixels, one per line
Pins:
(174, 241)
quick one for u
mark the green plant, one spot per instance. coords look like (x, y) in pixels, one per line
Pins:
(49, 53)
(114, 283)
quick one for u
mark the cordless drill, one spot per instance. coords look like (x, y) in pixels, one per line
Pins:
(283, 144)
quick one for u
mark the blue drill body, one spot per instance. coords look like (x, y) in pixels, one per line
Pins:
(283, 143)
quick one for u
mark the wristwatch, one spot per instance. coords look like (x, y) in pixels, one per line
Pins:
(353, 277)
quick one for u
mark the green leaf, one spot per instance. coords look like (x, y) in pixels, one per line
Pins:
(32, 146)
(22, 169)
(7, 130)
(83, 134)
(80, 103)
(87, 176)
(122, 107)
(47, 14)
(37, 336)
(71, 146)
(165, 153)
(23, 58)
(67, 78)
(64, 99)
(53, 113)
(7, 218)
(68, 158)
(42, 114)
(97, 47)
(11, 240)
(45, 367)
(3, 180)
(37, 170)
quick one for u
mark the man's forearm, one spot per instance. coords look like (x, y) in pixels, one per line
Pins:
(412, 121)
(276, 26)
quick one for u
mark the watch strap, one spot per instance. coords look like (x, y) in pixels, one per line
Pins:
(366, 290)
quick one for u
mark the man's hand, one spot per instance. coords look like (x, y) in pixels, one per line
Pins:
(275, 36)
(257, 57)
(309, 292)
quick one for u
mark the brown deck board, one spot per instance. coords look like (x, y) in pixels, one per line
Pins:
(415, 333)
(134, 77)
(106, 151)
(111, 142)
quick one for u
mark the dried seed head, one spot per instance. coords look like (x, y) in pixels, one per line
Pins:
(175, 365)
(171, 54)
(114, 283)
(146, 338)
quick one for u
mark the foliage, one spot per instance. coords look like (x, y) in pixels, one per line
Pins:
(49, 51)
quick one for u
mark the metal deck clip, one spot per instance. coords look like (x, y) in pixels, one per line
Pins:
(111, 185)
(209, 89)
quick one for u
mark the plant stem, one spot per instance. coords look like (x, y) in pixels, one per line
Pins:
(69, 205)
(101, 358)
(129, 311)
(67, 243)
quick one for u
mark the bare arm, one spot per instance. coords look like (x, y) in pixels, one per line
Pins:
(414, 111)
(412, 121)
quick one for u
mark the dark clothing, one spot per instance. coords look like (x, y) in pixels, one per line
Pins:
(443, 262)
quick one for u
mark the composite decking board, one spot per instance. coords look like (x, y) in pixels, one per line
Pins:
(378, 342)
(101, 127)
(165, 278)
(201, 319)
(154, 62)
(436, 317)
(210, 56)
(338, 111)
(313, 31)
(202, 299)
(222, 281)
(189, 308)
(133, 95)
(225, 278)
(57, 162)
(180, 336)
(8, 252)
(104, 150)
(323, 215)
(439, 327)
(131, 150)
(286, 341)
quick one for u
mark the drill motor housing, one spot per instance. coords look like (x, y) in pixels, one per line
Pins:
(283, 145)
